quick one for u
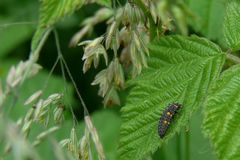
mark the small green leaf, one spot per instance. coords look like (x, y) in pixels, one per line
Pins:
(181, 70)
(222, 115)
(232, 25)
(51, 12)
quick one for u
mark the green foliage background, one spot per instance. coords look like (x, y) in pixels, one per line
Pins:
(182, 69)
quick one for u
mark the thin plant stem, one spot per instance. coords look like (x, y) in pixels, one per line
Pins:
(93, 131)
(233, 58)
(86, 113)
(50, 74)
(60, 56)
(34, 55)
(2, 26)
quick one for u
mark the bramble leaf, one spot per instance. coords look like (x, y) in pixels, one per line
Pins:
(232, 25)
(181, 69)
(222, 115)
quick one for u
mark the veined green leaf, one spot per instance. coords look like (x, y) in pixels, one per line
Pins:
(51, 12)
(232, 25)
(181, 70)
(222, 115)
(209, 16)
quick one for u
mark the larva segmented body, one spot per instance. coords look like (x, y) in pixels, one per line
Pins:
(167, 117)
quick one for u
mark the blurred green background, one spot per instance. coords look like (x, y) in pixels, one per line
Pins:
(18, 21)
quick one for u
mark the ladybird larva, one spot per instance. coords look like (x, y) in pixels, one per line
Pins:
(167, 117)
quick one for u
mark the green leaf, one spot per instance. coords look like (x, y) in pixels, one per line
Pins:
(181, 70)
(222, 115)
(51, 12)
(232, 25)
(209, 16)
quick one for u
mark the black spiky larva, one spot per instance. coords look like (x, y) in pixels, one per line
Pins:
(167, 117)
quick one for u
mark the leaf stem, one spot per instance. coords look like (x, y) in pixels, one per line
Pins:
(233, 58)
(64, 63)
